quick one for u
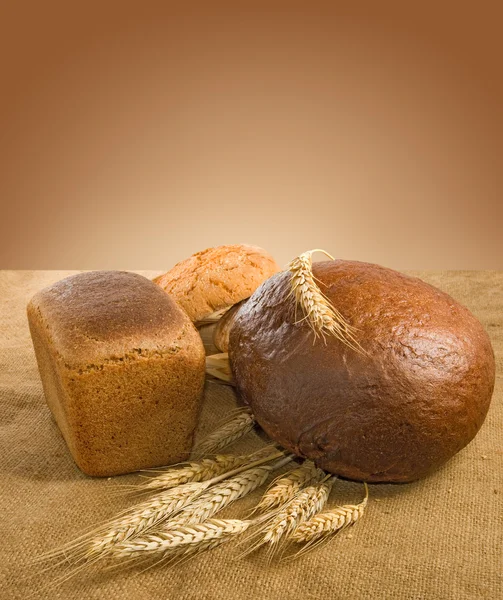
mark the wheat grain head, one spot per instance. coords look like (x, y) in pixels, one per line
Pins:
(221, 495)
(206, 468)
(145, 516)
(323, 318)
(330, 522)
(284, 521)
(151, 513)
(307, 503)
(203, 470)
(183, 538)
(233, 429)
(286, 487)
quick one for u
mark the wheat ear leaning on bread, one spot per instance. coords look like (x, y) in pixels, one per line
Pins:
(241, 423)
(323, 318)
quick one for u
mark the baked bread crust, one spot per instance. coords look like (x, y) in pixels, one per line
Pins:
(223, 326)
(417, 397)
(122, 368)
(217, 278)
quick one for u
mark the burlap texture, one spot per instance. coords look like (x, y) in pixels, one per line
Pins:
(437, 538)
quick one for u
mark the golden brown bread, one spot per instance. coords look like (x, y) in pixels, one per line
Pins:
(417, 397)
(217, 278)
(122, 368)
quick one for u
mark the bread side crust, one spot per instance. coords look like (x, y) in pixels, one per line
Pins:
(223, 326)
(123, 412)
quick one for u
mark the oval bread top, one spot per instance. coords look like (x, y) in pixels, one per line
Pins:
(217, 278)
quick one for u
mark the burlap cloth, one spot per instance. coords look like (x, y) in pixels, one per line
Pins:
(437, 538)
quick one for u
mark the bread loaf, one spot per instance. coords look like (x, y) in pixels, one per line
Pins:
(217, 278)
(417, 395)
(122, 368)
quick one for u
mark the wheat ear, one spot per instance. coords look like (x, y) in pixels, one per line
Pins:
(286, 487)
(184, 540)
(219, 496)
(133, 521)
(202, 470)
(156, 510)
(233, 429)
(194, 526)
(205, 469)
(308, 502)
(327, 523)
(323, 318)
(145, 516)
(301, 508)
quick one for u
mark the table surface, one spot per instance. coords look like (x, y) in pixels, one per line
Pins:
(436, 538)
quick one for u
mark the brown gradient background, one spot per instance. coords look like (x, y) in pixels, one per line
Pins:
(134, 136)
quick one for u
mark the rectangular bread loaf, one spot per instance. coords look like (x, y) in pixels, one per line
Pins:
(122, 368)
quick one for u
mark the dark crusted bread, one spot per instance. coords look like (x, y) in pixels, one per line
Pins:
(122, 368)
(396, 413)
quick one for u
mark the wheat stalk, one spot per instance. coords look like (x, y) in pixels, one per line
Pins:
(323, 318)
(327, 523)
(205, 469)
(194, 472)
(307, 503)
(145, 516)
(187, 539)
(218, 366)
(213, 318)
(233, 429)
(285, 488)
(221, 495)
(194, 523)
(283, 522)
(164, 505)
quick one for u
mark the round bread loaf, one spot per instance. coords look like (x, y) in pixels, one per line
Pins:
(416, 396)
(217, 278)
